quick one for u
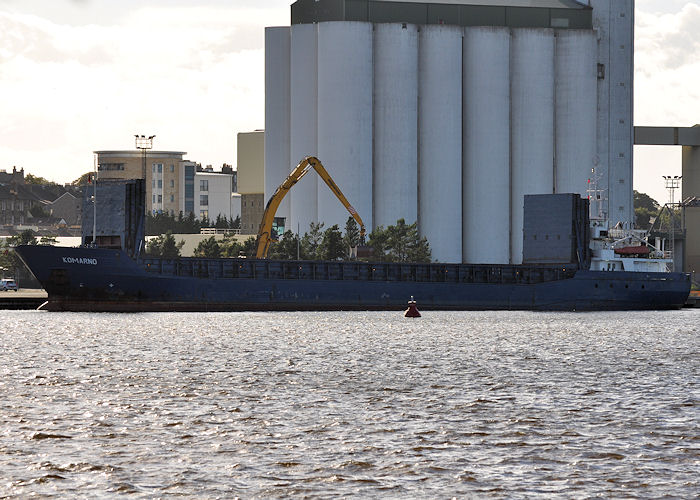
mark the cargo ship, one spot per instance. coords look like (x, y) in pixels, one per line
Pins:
(96, 279)
(570, 264)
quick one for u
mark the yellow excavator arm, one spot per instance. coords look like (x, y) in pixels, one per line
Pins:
(265, 231)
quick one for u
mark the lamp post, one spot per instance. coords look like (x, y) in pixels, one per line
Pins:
(144, 143)
(672, 182)
(94, 200)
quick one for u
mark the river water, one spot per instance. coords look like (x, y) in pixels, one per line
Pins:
(322, 405)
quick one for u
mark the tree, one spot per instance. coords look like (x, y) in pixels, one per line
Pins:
(83, 179)
(645, 207)
(160, 223)
(221, 222)
(164, 246)
(47, 240)
(312, 240)
(208, 248)
(352, 234)
(34, 179)
(400, 243)
(285, 248)
(230, 247)
(332, 246)
(9, 261)
(250, 247)
(378, 242)
(643, 200)
(236, 223)
(192, 225)
(26, 237)
(39, 212)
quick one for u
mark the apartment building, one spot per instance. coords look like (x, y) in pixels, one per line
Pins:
(173, 184)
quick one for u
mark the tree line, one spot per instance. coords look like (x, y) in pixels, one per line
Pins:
(161, 223)
(397, 243)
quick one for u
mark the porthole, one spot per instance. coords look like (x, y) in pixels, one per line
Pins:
(596, 285)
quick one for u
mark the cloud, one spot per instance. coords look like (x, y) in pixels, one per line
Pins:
(194, 76)
(667, 69)
(666, 64)
(672, 36)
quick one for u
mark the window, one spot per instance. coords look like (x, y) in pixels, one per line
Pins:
(203, 214)
(160, 183)
(172, 183)
(204, 200)
(110, 166)
(189, 188)
(203, 185)
(160, 198)
(160, 168)
(172, 198)
(154, 198)
(154, 168)
(172, 168)
(153, 183)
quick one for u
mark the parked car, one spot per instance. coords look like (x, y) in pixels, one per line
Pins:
(8, 284)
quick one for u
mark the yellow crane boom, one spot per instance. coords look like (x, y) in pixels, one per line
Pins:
(265, 231)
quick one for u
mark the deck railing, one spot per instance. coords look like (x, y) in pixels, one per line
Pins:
(362, 271)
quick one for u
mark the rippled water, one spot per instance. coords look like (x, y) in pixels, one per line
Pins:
(473, 404)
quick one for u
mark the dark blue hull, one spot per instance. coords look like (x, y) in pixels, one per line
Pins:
(88, 279)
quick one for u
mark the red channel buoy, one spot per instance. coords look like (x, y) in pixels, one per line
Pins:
(412, 311)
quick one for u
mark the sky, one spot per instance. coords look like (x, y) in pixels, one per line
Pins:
(78, 76)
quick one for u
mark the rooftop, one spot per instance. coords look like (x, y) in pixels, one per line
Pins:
(511, 13)
(133, 153)
(548, 4)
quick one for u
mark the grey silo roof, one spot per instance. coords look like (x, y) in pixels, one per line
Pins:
(512, 13)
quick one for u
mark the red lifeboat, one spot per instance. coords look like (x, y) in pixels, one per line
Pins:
(412, 311)
(639, 250)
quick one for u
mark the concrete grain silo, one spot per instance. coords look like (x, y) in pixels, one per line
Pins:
(532, 123)
(395, 170)
(304, 123)
(277, 110)
(345, 86)
(440, 140)
(447, 113)
(486, 145)
(575, 88)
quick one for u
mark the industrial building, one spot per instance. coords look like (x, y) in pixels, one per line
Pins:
(251, 179)
(448, 112)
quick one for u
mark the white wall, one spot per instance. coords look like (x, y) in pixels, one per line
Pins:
(575, 110)
(395, 124)
(440, 141)
(277, 112)
(235, 205)
(486, 146)
(532, 127)
(614, 25)
(304, 124)
(219, 194)
(345, 119)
